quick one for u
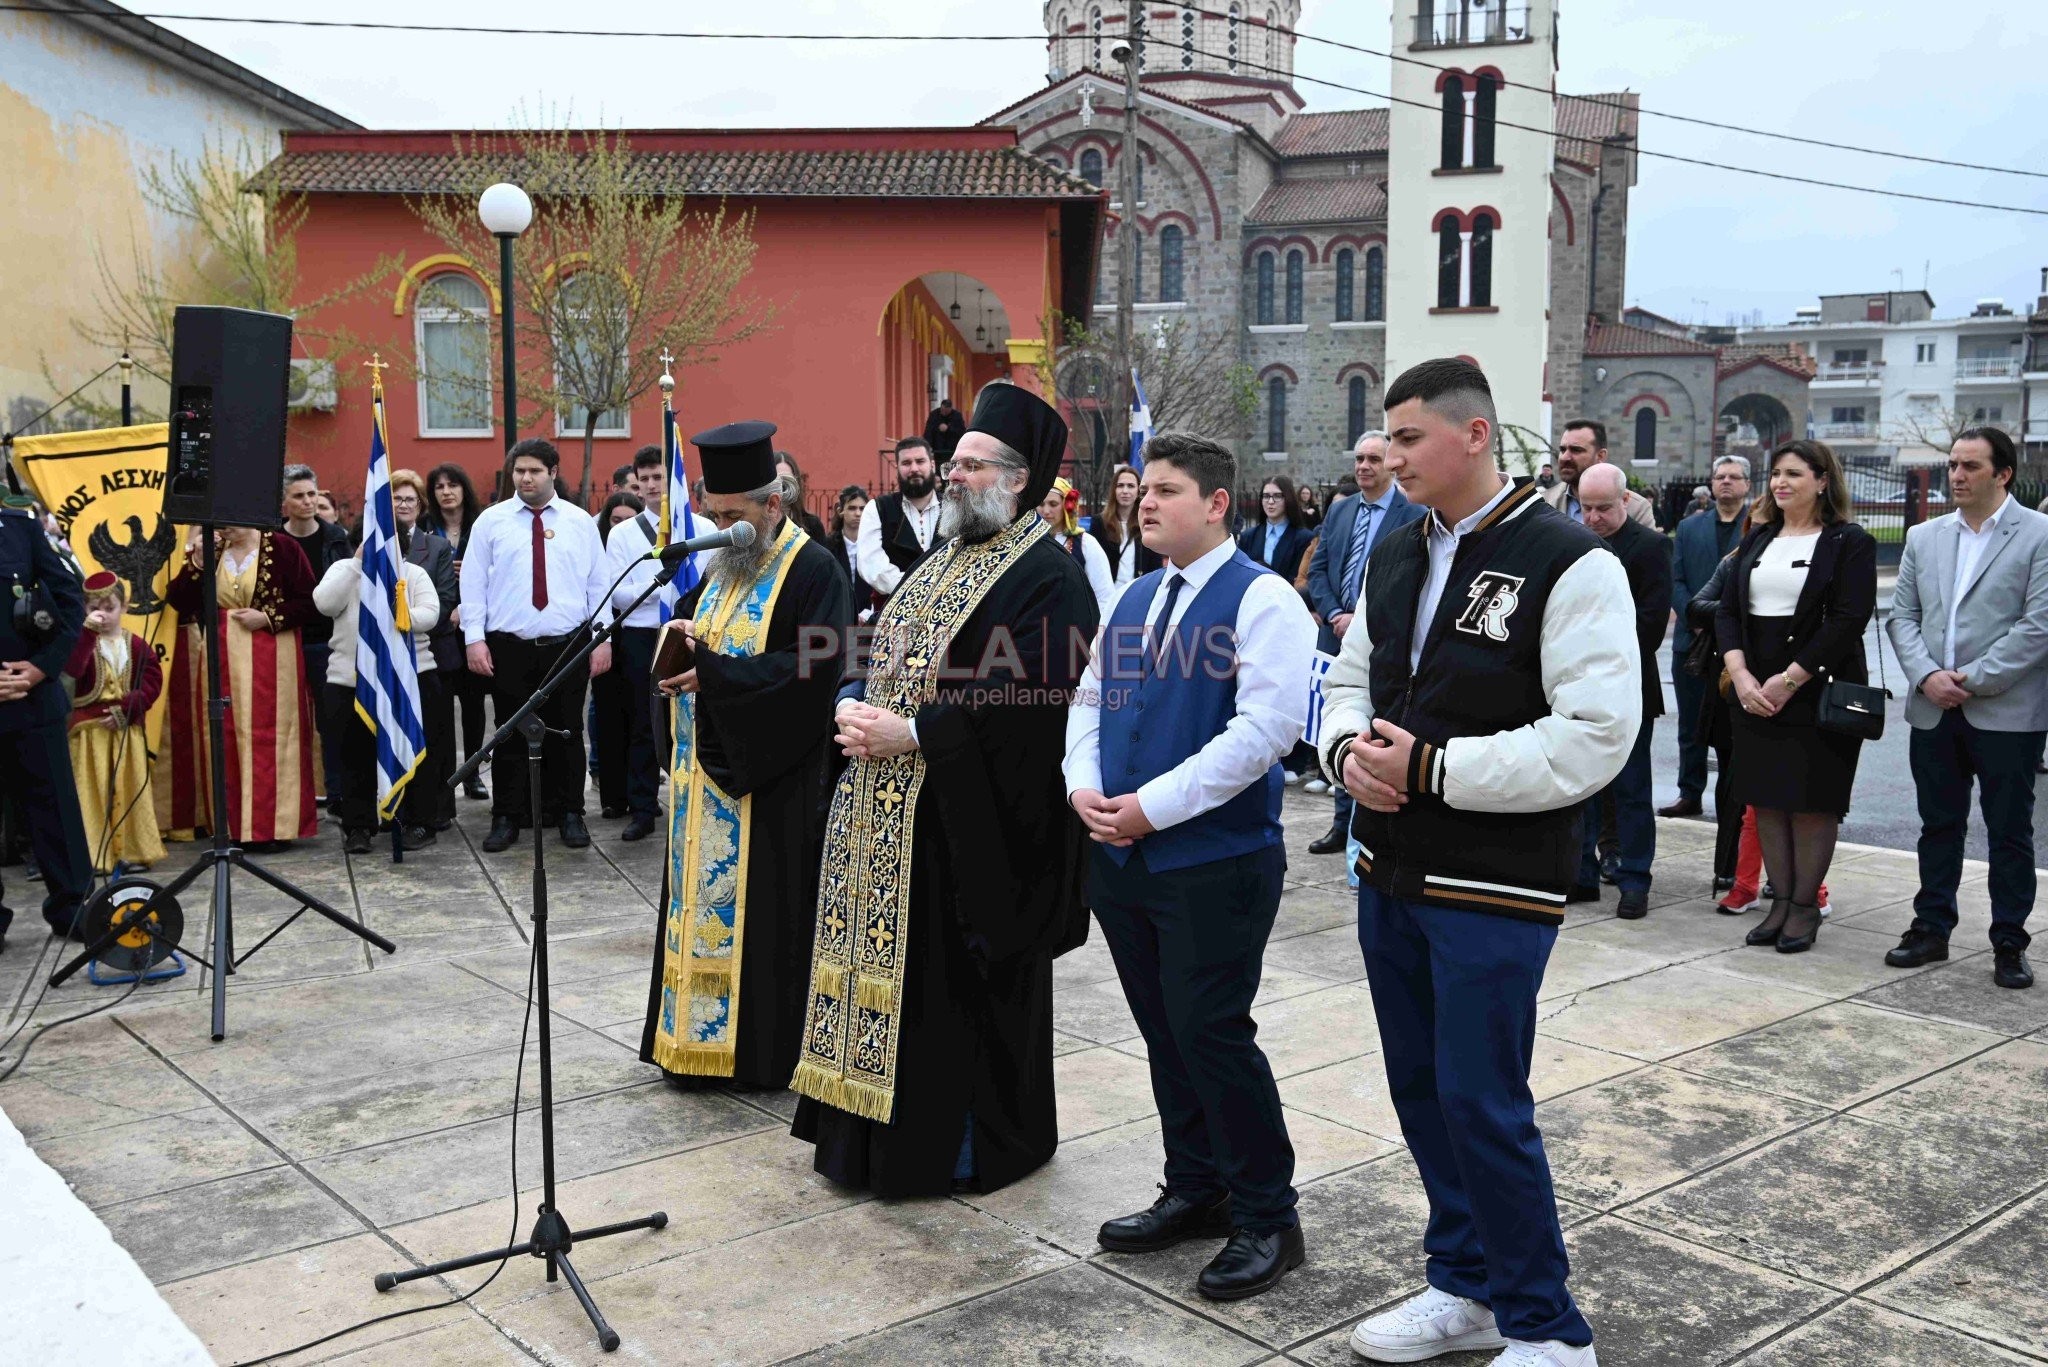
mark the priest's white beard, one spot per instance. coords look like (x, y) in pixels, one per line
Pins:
(976, 514)
(738, 567)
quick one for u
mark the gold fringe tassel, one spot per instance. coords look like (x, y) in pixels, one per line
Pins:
(875, 994)
(710, 982)
(851, 1095)
(697, 1060)
(829, 980)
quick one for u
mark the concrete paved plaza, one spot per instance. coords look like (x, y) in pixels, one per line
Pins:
(1761, 1159)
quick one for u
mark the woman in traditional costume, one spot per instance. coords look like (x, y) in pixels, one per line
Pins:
(263, 590)
(113, 680)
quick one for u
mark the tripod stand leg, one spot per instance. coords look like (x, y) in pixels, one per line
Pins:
(386, 1280)
(223, 946)
(607, 1337)
(312, 903)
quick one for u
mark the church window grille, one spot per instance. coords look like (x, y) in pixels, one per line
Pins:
(1646, 435)
(1265, 290)
(1345, 283)
(1480, 295)
(1235, 16)
(1091, 166)
(1294, 266)
(1375, 285)
(1171, 247)
(1187, 39)
(1354, 410)
(1095, 33)
(1276, 414)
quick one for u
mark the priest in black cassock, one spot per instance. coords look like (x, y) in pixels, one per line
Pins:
(750, 776)
(952, 865)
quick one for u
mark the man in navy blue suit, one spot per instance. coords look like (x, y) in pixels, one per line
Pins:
(1354, 526)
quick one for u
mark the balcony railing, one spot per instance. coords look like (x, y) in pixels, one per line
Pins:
(1841, 372)
(1988, 368)
(1846, 431)
(1471, 23)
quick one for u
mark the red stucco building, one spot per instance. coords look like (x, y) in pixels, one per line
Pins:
(866, 239)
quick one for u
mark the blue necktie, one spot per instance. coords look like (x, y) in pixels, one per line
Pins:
(1160, 630)
(1354, 559)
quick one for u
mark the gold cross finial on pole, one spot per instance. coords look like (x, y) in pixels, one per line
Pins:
(668, 380)
(376, 366)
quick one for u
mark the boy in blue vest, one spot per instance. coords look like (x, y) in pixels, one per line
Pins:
(1197, 689)
(1487, 687)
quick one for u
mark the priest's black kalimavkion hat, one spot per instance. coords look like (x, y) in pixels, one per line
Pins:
(1027, 425)
(737, 458)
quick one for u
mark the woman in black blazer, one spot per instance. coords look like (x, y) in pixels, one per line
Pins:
(1281, 527)
(1800, 594)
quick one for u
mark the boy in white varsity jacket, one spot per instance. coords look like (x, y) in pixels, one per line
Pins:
(1488, 685)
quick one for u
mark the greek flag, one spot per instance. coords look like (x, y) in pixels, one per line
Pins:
(677, 522)
(1141, 423)
(1318, 671)
(387, 682)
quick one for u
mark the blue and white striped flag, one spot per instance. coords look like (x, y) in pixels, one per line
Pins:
(1141, 423)
(677, 521)
(387, 680)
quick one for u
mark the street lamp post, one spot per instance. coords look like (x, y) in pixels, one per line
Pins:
(506, 211)
(1125, 54)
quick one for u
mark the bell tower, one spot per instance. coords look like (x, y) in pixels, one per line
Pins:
(1469, 167)
(1215, 50)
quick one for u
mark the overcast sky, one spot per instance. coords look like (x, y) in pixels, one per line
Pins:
(1949, 80)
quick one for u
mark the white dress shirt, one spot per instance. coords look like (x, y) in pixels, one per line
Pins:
(1443, 545)
(497, 573)
(1970, 548)
(1126, 561)
(1095, 561)
(1276, 643)
(629, 544)
(874, 563)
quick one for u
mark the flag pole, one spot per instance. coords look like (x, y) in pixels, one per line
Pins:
(376, 366)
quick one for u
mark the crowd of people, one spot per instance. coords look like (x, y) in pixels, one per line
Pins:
(904, 760)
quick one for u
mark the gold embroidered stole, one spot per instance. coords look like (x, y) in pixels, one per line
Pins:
(852, 1024)
(697, 1031)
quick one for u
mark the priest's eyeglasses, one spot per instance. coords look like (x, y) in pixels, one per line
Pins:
(972, 465)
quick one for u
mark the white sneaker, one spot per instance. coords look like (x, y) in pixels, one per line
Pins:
(1547, 1354)
(1426, 1326)
(1824, 907)
(1316, 785)
(1289, 779)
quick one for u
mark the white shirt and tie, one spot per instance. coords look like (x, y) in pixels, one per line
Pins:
(1970, 549)
(500, 589)
(1276, 642)
(630, 542)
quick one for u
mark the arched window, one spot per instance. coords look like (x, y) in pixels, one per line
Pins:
(1354, 410)
(452, 326)
(1091, 166)
(1095, 34)
(1453, 143)
(1344, 285)
(1272, 42)
(1482, 261)
(1171, 290)
(1187, 39)
(1375, 285)
(1450, 260)
(1482, 119)
(1230, 59)
(1646, 435)
(1265, 291)
(1059, 41)
(1294, 286)
(1276, 414)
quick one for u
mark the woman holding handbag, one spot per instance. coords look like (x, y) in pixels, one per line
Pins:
(1799, 595)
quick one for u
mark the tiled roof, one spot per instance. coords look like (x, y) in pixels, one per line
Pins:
(1350, 199)
(1333, 134)
(1783, 355)
(1583, 121)
(1619, 339)
(898, 173)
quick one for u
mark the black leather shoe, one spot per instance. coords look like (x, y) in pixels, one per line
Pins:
(1329, 842)
(356, 842)
(1766, 931)
(1723, 885)
(1583, 892)
(2011, 969)
(474, 789)
(575, 834)
(67, 927)
(614, 813)
(1802, 928)
(1635, 904)
(6, 920)
(1685, 806)
(1251, 1263)
(504, 831)
(1610, 871)
(1167, 1222)
(639, 828)
(1916, 947)
(417, 838)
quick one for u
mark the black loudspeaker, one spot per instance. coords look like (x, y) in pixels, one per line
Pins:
(230, 372)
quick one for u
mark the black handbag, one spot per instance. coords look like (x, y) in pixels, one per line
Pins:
(1854, 709)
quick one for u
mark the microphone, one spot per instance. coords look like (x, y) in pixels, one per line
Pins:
(741, 534)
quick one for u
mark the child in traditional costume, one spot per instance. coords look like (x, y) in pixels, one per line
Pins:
(113, 679)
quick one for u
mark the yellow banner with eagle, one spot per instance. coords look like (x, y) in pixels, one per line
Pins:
(106, 488)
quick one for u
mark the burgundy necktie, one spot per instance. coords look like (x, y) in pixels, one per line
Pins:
(540, 559)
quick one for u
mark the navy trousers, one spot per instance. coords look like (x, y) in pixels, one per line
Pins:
(1945, 759)
(1455, 996)
(633, 662)
(1188, 946)
(1692, 746)
(333, 734)
(1635, 822)
(37, 762)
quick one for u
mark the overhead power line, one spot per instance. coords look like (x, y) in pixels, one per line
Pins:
(561, 32)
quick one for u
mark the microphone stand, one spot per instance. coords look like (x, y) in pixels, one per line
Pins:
(552, 1238)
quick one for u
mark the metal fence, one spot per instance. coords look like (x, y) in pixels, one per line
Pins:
(1886, 502)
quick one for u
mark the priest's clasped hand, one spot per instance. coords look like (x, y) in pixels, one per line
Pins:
(1118, 821)
(871, 733)
(1375, 770)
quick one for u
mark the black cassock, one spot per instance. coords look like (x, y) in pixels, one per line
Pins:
(995, 896)
(764, 727)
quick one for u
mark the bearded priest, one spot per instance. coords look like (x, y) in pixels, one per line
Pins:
(749, 778)
(952, 866)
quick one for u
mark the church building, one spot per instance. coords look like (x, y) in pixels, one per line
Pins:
(1486, 217)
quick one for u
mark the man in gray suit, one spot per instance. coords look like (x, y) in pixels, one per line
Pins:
(1355, 525)
(1969, 622)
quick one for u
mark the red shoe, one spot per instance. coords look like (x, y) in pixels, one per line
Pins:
(1739, 902)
